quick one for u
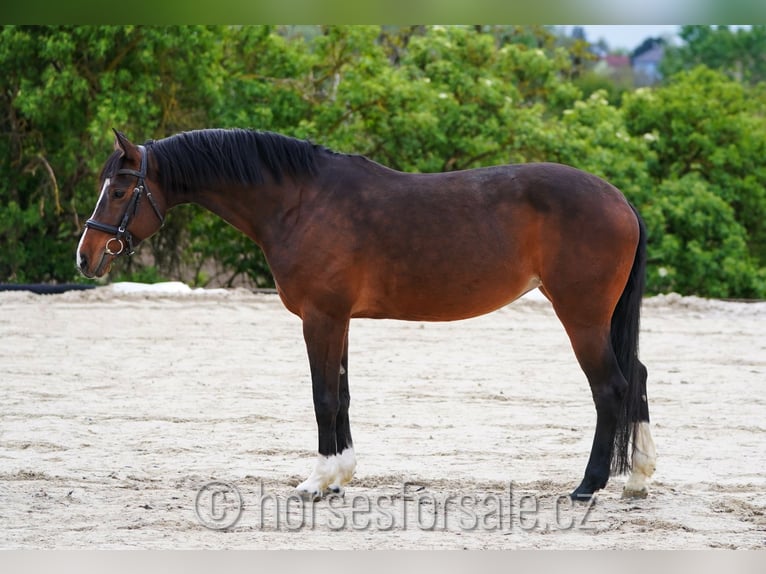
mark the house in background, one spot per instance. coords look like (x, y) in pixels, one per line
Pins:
(646, 66)
(616, 67)
(617, 61)
(641, 68)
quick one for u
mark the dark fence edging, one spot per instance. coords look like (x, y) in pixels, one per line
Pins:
(44, 288)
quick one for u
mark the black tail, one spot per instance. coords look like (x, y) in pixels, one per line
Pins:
(624, 329)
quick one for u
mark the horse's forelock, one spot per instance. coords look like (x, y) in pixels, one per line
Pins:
(111, 166)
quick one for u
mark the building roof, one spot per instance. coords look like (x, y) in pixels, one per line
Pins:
(617, 61)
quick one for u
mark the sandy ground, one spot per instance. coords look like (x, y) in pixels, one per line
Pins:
(119, 409)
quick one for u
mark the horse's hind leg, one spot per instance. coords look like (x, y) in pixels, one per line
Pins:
(326, 346)
(644, 455)
(594, 352)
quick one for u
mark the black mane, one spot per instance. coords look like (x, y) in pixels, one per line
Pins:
(202, 158)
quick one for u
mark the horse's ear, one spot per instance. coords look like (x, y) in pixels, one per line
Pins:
(123, 144)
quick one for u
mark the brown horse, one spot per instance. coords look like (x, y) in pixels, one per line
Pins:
(346, 237)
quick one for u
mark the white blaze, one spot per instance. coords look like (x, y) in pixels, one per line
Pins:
(82, 238)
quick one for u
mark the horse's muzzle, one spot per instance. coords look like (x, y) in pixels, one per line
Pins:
(83, 264)
(102, 266)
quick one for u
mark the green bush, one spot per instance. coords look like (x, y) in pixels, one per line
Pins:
(689, 153)
(697, 244)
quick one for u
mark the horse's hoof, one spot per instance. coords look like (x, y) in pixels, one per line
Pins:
(309, 495)
(635, 493)
(581, 496)
(335, 490)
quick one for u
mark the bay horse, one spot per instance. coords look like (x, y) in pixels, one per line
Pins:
(346, 237)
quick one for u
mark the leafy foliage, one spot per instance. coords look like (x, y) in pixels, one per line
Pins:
(687, 153)
(698, 246)
(736, 52)
(64, 88)
(706, 125)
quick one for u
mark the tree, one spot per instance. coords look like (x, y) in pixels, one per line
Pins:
(704, 123)
(708, 138)
(594, 137)
(737, 52)
(697, 244)
(64, 88)
(688, 153)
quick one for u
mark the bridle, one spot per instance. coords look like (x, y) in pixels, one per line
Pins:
(121, 232)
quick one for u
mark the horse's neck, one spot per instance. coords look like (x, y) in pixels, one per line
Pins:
(257, 210)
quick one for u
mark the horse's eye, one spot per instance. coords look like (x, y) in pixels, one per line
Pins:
(119, 193)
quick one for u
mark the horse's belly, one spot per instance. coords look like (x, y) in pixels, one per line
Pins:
(451, 299)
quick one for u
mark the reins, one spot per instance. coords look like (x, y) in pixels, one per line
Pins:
(120, 231)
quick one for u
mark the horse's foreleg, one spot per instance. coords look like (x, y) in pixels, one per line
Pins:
(325, 338)
(345, 446)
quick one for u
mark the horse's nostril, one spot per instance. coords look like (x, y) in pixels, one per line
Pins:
(83, 262)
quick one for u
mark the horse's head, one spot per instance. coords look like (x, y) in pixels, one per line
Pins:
(129, 209)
